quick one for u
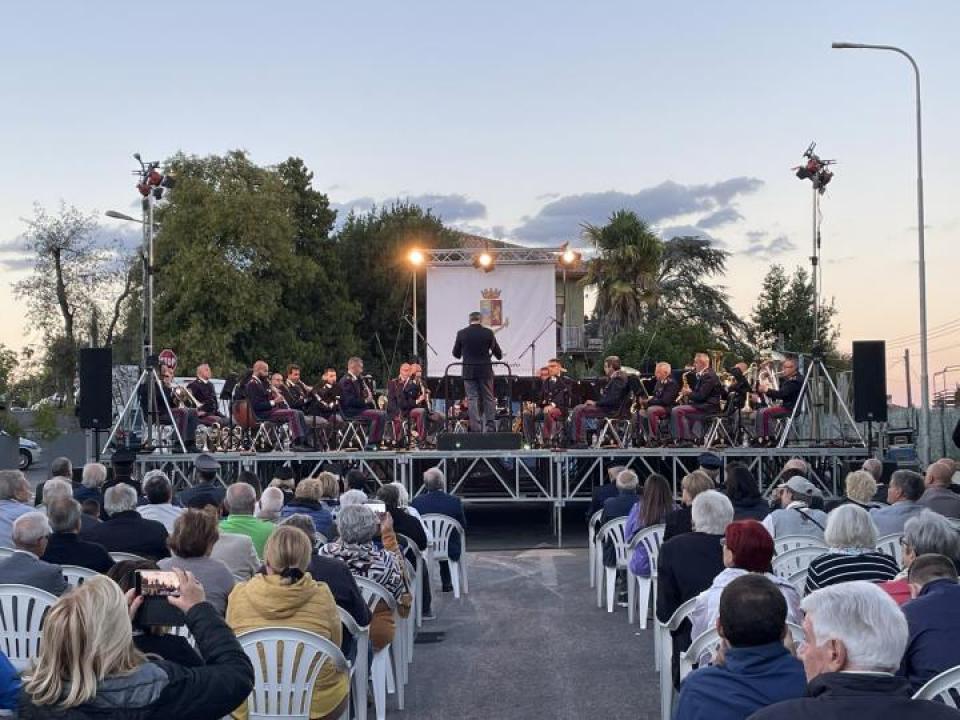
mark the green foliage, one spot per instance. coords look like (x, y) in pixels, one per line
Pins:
(9, 424)
(8, 363)
(672, 343)
(783, 318)
(45, 422)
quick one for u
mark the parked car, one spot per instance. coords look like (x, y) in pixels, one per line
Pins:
(30, 452)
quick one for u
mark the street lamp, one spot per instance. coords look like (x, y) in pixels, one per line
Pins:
(120, 216)
(415, 257)
(922, 270)
(568, 259)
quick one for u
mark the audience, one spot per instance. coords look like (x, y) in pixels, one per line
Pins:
(57, 489)
(412, 529)
(330, 492)
(855, 637)
(744, 493)
(159, 494)
(9, 685)
(89, 666)
(24, 566)
(680, 521)
(938, 495)
(123, 463)
(240, 502)
(604, 492)
(353, 497)
(194, 535)
(92, 479)
(235, 551)
(852, 541)
(283, 480)
(860, 490)
(709, 464)
(253, 480)
(925, 533)
(357, 480)
(60, 467)
(436, 500)
(285, 595)
(124, 530)
(903, 494)
(933, 619)
(755, 668)
(14, 495)
(206, 483)
(307, 500)
(795, 516)
(617, 507)
(650, 510)
(64, 546)
(270, 505)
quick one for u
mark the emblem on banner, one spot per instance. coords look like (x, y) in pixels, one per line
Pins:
(491, 307)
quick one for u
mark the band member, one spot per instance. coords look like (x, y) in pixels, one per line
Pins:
(661, 401)
(268, 404)
(790, 384)
(552, 405)
(299, 396)
(184, 417)
(208, 411)
(326, 398)
(357, 401)
(612, 397)
(475, 344)
(399, 404)
(701, 398)
(422, 417)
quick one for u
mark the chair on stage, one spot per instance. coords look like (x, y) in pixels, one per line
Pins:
(616, 428)
(353, 434)
(255, 430)
(723, 429)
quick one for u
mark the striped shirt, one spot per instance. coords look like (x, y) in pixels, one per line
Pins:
(836, 567)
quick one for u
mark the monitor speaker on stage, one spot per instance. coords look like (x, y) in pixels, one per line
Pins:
(96, 388)
(479, 441)
(869, 381)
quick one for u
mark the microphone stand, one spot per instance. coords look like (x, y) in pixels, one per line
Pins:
(532, 347)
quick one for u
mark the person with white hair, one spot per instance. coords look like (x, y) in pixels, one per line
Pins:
(854, 639)
(925, 533)
(241, 503)
(270, 505)
(58, 488)
(436, 500)
(795, 516)
(91, 484)
(24, 566)
(125, 530)
(353, 497)
(14, 494)
(64, 546)
(853, 555)
(158, 491)
(619, 506)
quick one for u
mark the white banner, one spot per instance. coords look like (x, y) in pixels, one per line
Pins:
(518, 303)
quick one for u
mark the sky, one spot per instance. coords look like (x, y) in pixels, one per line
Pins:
(523, 120)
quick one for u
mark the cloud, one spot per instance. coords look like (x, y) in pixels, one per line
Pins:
(15, 256)
(452, 208)
(548, 196)
(723, 216)
(561, 218)
(357, 205)
(762, 249)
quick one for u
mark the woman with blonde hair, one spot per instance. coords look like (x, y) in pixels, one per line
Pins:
(88, 665)
(285, 595)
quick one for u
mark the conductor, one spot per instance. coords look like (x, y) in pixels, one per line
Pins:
(474, 345)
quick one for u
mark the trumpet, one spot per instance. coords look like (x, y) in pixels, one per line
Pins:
(183, 396)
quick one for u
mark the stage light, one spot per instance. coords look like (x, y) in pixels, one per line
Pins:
(483, 261)
(415, 257)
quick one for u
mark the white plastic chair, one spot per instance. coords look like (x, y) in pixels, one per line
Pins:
(76, 575)
(640, 588)
(22, 609)
(890, 545)
(359, 669)
(613, 531)
(799, 580)
(6, 552)
(666, 655)
(707, 643)
(418, 579)
(793, 561)
(592, 545)
(792, 542)
(441, 527)
(939, 688)
(284, 675)
(384, 668)
(121, 556)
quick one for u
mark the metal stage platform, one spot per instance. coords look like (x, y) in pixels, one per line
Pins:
(551, 477)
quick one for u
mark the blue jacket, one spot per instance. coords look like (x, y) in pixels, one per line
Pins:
(317, 511)
(751, 679)
(616, 507)
(443, 503)
(934, 621)
(9, 684)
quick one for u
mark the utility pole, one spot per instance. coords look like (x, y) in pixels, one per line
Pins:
(906, 366)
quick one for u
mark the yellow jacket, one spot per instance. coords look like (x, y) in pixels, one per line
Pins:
(267, 601)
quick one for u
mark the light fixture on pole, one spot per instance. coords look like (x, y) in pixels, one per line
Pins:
(415, 257)
(484, 261)
(568, 258)
(922, 269)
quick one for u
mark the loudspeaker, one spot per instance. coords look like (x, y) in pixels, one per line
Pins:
(869, 380)
(96, 388)
(479, 441)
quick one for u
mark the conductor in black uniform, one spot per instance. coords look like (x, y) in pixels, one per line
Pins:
(475, 345)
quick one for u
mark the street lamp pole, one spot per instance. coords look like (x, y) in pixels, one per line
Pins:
(922, 270)
(415, 325)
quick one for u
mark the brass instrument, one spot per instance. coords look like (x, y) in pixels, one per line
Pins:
(183, 397)
(278, 398)
(368, 392)
(685, 388)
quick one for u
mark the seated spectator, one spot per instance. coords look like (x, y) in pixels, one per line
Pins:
(159, 494)
(92, 479)
(330, 492)
(744, 492)
(619, 506)
(435, 499)
(336, 575)
(153, 639)
(270, 505)
(194, 535)
(925, 533)
(124, 530)
(235, 551)
(353, 497)
(24, 566)
(411, 528)
(64, 546)
(357, 480)
(651, 510)
(14, 496)
(755, 669)
(938, 495)
(285, 595)
(853, 555)
(860, 488)
(253, 480)
(854, 638)
(903, 493)
(283, 480)
(92, 508)
(933, 619)
(60, 467)
(9, 685)
(709, 464)
(206, 483)
(795, 516)
(307, 501)
(747, 548)
(89, 666)
(240, 502)
(358, 526)
(680, 521)
(57, 488)
(604, 492)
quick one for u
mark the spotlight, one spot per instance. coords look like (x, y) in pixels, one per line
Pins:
(568, 256)
(483, 261)
(415, 257)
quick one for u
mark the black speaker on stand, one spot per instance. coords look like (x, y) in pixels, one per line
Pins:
(870, 384)
(95, 408)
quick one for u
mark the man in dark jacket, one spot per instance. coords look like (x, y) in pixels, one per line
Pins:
(658, 405)
(757, 669)
(268, 405)
(614, 397)
(206, 484)
(475, 345)
(125, 530)
(604, 492)
(357, 401)
(700, 398)
(788, 393)
(64, 546)
(436, 500)
(680, 521)
(619, 506)
(855, 636)
(933, 618)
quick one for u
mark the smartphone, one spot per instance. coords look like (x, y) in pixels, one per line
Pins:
(157, 583)
(378, 507)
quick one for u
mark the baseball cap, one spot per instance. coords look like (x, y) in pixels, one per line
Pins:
(801, 486)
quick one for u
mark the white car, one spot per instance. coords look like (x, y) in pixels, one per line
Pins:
(30, 452)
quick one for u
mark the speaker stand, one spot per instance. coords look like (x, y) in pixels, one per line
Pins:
(810, 394)
(129, 411)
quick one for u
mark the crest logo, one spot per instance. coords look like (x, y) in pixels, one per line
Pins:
(491, 307)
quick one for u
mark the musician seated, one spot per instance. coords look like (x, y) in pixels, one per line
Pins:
(357, 401)
(268, 405)
(552, 403)
(422, 417)
(299, 396)
(325, 402)
(789, 392)
(701, 398)
(658, 405)
(612, 397)
(208, 409)
(398, 403)
(183, 418)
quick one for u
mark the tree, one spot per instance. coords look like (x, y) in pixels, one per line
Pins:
(674, 343)
(8, 363)
(782, 318)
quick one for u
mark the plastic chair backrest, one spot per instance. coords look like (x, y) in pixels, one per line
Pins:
(441, 527)
(706, 643)
(286, 663)
(799, 580)
(681, 614)
(792, 561)
(614, 531)
(944, 688)
(373, 592)
(890, 545)
(22, 609)
(75, 574)
(651, 538)
(792, 542)
(121, 556)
